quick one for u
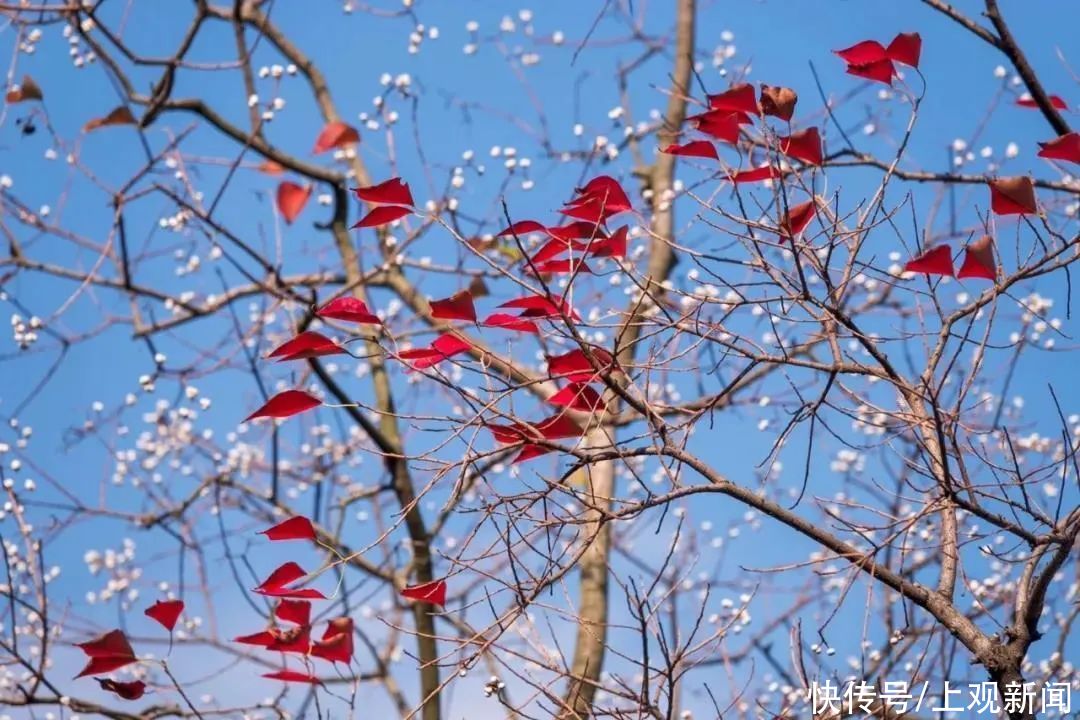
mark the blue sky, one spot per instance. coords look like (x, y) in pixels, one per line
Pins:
(780, 41)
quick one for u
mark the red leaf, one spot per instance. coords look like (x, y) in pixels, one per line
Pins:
(575, 365)
(291, 199)
(523, 227)
(881, 71)
(127, 690)
(510, 434)
(580, 230)
(577, 396)
(450, 345)
(120, 116)
(391, 192)
(263, 638)
(295, 528)
(1066, 147)
(285, 404)
(697, 148)
(297, 593)
(530, 451)
(297, 612)
(421, 358)
(511, 322)
(111, 644)
(293, 676)
(905, 48)
(778, 101)
(433, 592)
(458, 306)
(765, 172)
(166, 612)
(538, 306)
(337, 641)
(348, 309)
(607, 187)
(614, 246)
(595, 210)
(559, 427)
(936, 261)
(555, 247)
(863, 53)
(979, 260)
(290, 640)
(27, 90)
(1013, 196)
(100, 665)
(271, 167)
(797, 218)
(282, 576)
(738, 98)
(107, 652)
(382, 216)
(719, 124)
(308, 344)
(443, 348)
(804, 145)
(563, 267)
(276, 584)
(598, 200)
(1056, 101)
(336, 134)
(719, 117)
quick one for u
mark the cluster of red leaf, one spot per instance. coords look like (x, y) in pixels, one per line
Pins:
(1008, 196)
(310, 344)
(585, 236)
(592, 206)
(294, 608)
(290, 629)
(978, 262)
(871, 60)
(393, 201)
(442, 348)
(293, 197)
(737, 106)
(112, 651)
(580, 369)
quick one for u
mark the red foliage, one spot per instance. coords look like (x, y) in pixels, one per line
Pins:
(166, 612)
(285, 404)
(936, 261)
(335, 135)
(132, 690)
(308, 344)
(1013, 196)
(433, 592)
(291, 199)
(979, 260)
(295, 528)
(107, 652)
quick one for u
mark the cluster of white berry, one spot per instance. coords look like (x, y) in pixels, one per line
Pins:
(24, 332)
(28, 44)
(80, 57)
